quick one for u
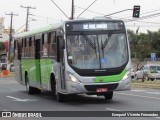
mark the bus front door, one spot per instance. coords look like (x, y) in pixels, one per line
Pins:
(37, 61)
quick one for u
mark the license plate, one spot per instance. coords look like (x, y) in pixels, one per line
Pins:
(101, 90)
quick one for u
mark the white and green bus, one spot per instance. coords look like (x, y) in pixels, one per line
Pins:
(89, 56)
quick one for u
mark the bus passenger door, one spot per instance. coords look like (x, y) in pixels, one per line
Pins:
(37, 61)
(60, 59)
(18, 71)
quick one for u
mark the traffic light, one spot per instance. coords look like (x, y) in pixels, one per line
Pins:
(136, 11)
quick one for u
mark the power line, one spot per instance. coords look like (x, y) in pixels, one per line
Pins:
(144, 17)
(59, 9)
(143, 13)
(87, 8)
(118, 12)
(90, 11)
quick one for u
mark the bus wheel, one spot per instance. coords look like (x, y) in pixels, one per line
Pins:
(109, 95)
(31, 90)
(53, 85)
(61, 97)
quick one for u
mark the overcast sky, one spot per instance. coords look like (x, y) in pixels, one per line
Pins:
(46, 12)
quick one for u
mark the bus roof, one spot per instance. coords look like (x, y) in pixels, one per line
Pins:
(56, 26)
(39, 30)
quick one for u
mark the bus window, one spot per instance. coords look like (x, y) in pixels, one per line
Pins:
(27, 55)
(52, 45)
(23, 48)
(44, 46)
(15, 50)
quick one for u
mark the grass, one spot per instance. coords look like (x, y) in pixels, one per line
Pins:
(146, 84)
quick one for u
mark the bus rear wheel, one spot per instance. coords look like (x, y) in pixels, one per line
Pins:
(31, 90)
(108, 96)
(53, 85)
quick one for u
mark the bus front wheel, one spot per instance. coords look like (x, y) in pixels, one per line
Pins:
(109, 95)
(61, 97)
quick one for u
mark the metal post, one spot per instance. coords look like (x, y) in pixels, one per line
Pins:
(10, 35)
(28, 8)
(72, 10)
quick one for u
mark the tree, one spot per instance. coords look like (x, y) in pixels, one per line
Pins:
(155, 40)
(140, 48)
(2, 46)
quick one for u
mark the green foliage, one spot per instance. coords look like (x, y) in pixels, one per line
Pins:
(142, 45)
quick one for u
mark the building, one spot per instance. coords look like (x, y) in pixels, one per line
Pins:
(4, 37)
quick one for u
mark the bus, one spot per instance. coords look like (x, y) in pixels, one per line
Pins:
(89, 56)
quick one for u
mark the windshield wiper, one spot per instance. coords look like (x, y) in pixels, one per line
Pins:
(93, 45)
(106, 41)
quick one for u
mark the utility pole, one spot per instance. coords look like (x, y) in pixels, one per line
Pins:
(72, 10)
(10, 34)
(28, 8)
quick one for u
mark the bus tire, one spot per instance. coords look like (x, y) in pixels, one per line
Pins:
(31, 90)
(53, 85)
(109, 95)
(61, 97)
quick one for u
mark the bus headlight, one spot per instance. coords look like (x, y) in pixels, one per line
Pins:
(126, 76)
(73, 78)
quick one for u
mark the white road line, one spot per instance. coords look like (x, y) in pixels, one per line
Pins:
(139, 96)
(21, 100)
(4, 110)
(138, 90)
(153, 93)
(112, 109)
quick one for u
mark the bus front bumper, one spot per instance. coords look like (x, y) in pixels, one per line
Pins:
(80, 88)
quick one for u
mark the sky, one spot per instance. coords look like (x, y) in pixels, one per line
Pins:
(46, 12)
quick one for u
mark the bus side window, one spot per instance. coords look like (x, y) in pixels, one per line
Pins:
(19, 48)
(52, 45)
(15, 50)
(23, 48)
(44, 45)
(27, 48)
(30, 46)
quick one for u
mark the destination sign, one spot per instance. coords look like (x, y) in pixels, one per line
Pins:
(94, 26)
(88, 26)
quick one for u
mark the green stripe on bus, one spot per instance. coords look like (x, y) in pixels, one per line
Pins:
(111, 78)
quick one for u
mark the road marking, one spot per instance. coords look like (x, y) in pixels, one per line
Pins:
(21, 100)
(139, 96)
(153, 93)
(138, 90)
(112, 109)
(4, 110)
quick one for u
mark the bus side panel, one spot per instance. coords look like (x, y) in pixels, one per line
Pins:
(37, 73)
(31, 66)
(46, 68)
(18, 71)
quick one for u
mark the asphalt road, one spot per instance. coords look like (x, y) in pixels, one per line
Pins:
(13, 97)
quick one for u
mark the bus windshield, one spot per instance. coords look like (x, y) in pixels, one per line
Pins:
(98, 51)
